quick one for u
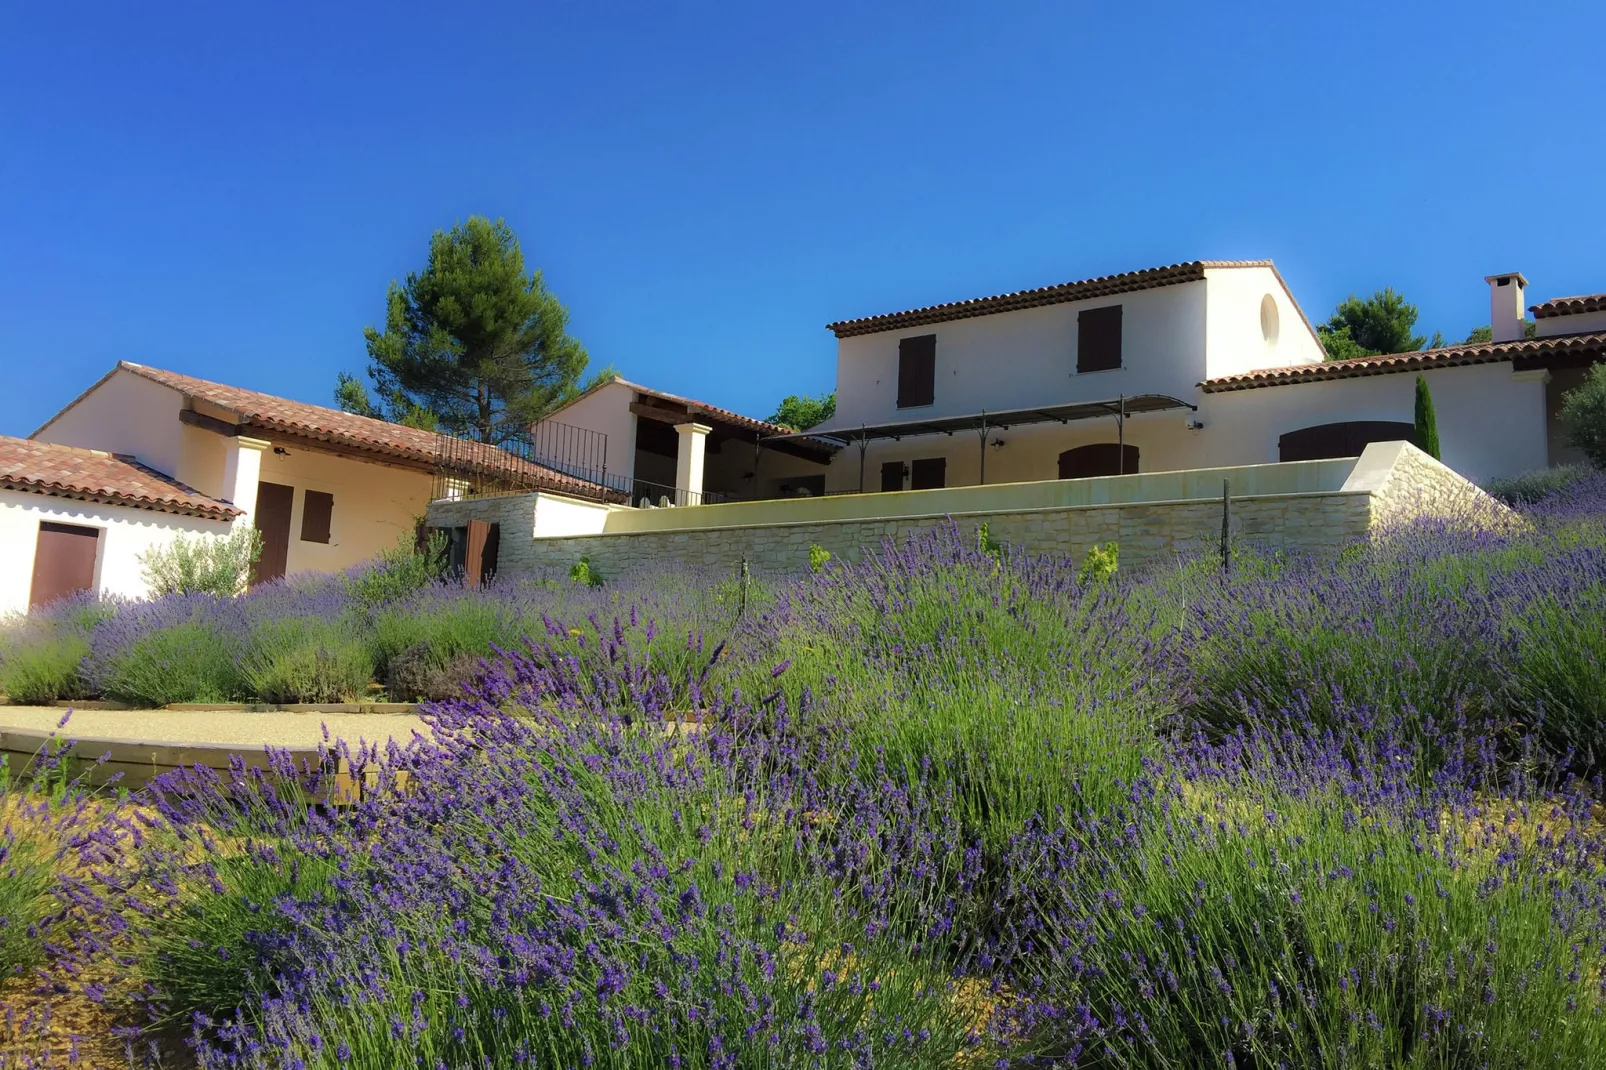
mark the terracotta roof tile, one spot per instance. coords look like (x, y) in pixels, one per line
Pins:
(1569, 306)
(1421, 360)
(1103, 286)
(90, 475)
(316, 422)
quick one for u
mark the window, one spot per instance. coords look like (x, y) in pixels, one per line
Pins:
(928, 474)
(316, 513)
(1340, 440)
(1098, 339)
(892, 475)
(1099, 459)
(917, 371)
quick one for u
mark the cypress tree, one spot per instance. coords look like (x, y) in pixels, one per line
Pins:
(1427, 425)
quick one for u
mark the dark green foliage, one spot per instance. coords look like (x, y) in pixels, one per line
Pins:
(472, 340)
(422, 673)
(1382, 323)
(1486, 334)
(803, 411)
(1583, 414)
(1530, 487)
(1427, 425)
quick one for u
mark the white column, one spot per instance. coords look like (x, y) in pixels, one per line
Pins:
(242, 471)
(689, 463)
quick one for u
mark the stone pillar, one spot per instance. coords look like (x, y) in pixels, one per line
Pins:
(689, 463)
(242, 470)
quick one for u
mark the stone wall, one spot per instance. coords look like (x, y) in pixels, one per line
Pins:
(516, 551)
(1311, 509)
(1417, 485)
(1145, 531)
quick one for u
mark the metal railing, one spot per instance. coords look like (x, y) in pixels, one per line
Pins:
(469, 469)
(645, 494)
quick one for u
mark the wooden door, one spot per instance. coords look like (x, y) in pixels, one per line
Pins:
(892, 475)
(479, 559)
(63, 562)
(1099, 459)
(928, 473)
(272, 518)
(1346, 439)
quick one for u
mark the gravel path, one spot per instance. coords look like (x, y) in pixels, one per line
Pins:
(226, 728)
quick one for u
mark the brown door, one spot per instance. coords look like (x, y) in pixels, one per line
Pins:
(63, 562)
(928, 473)
(892, 476)
(272, 518)
(479, 532)
(1341, 439)
(1099, 459)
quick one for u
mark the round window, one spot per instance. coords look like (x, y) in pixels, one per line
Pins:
(1268, 319)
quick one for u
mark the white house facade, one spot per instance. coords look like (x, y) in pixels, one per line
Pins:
(76, 520)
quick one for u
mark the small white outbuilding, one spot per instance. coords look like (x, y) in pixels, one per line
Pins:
(76, 520)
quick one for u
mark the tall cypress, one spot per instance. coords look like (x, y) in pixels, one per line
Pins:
(1427, 425)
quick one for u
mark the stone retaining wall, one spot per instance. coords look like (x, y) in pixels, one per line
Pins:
(1311, 509)
(1145, 531)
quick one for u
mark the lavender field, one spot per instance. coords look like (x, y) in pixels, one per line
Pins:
(955, 806)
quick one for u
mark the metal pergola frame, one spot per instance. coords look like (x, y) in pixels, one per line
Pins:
(985, 422)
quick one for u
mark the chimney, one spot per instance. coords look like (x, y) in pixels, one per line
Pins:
(1507, 314)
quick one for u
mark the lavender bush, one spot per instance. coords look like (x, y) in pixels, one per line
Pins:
(950, 806)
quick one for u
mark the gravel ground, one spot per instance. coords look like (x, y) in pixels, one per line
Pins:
(227, 728)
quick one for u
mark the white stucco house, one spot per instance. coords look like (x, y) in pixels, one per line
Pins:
(1194, 365)
(1197, 365)
(75, 519)
(145, 453)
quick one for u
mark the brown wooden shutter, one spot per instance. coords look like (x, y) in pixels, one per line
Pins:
(479, 533)
(272, 519)
(317, 511)
(928, 473)
(1098, 339)
(1346, 439)
(892, 476)
(1098, 459)
(917, 371)
(63, 562)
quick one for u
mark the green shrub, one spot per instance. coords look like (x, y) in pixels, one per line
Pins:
(1530, 487)
(1559, 676)
(469, 625)
(202, 565)
(402, 570)
(301, 659)
(989, 545)
(421, 674)
(37, 672)
(583, 572)
(1101, 563)
(189, 662)
(1583, 414)
(818, 556)
(1270, 930)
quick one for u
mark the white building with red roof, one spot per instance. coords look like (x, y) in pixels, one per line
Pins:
(146, 453)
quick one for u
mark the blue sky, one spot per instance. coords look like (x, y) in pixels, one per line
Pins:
(226, 189)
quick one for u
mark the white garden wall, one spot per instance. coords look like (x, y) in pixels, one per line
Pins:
(125, 534)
